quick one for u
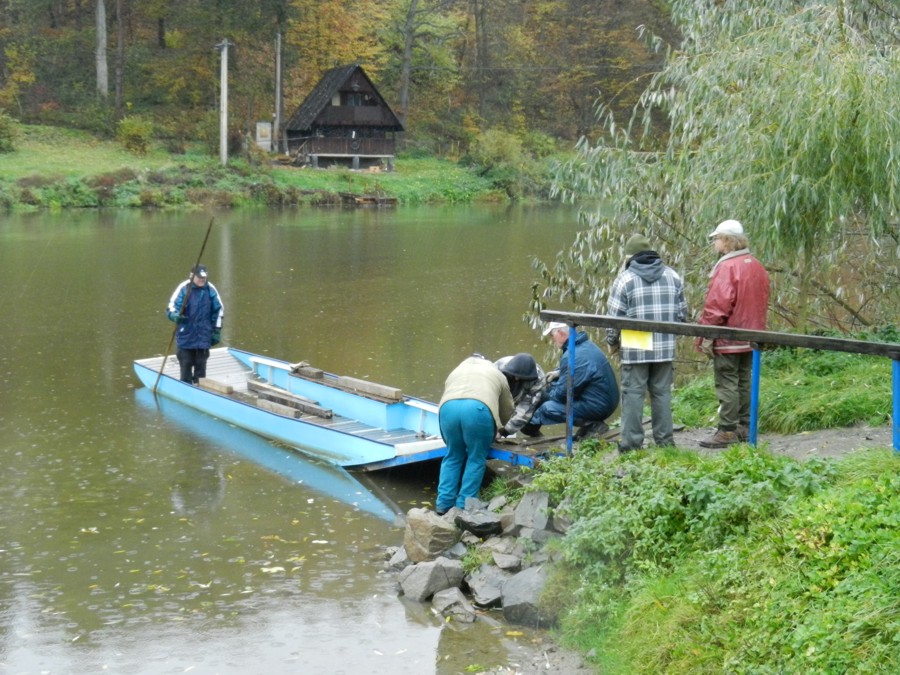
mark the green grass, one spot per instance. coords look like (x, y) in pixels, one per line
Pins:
(741, 562)
(48, 151)
(802, 390)
(53, 167)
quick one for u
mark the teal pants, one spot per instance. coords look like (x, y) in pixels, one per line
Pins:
(468, 429)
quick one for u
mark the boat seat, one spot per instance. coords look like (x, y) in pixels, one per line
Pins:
(282, 397)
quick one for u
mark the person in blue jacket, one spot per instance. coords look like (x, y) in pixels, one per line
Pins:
(595, 392)
(197, 310)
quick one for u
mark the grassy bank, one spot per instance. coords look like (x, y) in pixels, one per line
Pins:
(741, 561)
(802, 390)
(62, 168)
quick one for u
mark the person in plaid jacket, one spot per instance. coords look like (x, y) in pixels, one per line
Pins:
(649, 290)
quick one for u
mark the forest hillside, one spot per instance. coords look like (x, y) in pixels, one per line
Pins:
(451, 69)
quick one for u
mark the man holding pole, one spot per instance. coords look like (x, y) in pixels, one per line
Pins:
(197, 310)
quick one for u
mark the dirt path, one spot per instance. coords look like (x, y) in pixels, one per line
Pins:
(820, 443)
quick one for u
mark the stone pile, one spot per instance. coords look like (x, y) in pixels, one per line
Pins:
(513, 537)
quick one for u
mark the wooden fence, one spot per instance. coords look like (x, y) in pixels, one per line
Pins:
(757, 338)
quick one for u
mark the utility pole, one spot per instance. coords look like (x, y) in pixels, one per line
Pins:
(223, 102)
(276, 132)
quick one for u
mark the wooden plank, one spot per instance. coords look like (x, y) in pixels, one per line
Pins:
(301, 403)
(277, 408)
(215, 385)
(307, 371)
(366, 387)
(759, 337)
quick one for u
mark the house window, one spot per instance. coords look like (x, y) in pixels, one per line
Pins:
(353, 99)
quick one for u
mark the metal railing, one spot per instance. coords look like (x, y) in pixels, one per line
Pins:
(756, 338)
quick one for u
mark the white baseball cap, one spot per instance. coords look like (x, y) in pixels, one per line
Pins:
(552, 326)
(727, 227)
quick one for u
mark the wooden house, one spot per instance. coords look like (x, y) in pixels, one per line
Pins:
(343, 120)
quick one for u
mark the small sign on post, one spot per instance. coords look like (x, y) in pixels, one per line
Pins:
(264, 136)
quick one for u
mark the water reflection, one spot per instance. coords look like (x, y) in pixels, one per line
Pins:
(203, 480)
(133, 543)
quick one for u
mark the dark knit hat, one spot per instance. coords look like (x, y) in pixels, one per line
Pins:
(522, 366)
(637, 243)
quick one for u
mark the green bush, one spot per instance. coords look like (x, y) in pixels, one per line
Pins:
(135, 133)
(644, 514)
(741, 562)
(8, 133)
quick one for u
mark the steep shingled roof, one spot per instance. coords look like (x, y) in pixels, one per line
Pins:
(322, 93)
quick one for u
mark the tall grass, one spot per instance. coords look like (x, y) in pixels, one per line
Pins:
(803, 390)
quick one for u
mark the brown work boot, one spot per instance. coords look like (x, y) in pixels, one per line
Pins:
(743, 433)
(721, 439)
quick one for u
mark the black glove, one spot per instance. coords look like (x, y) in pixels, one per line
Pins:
(216, 338)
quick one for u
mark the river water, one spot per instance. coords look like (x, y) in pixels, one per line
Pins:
(143, 538)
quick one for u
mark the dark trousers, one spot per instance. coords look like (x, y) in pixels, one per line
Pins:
(732, 376)
(193, 364)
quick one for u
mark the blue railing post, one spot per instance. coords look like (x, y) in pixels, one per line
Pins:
(895, 424)
(570, 392)
(754, 395)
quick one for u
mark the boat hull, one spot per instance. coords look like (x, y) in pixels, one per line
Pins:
(362, 430)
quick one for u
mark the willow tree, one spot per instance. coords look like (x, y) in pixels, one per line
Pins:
(780, 113)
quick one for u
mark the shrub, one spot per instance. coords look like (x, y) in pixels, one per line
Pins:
(8, 133)
(134, 133)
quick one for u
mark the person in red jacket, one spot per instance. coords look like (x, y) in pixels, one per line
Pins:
(738, 297)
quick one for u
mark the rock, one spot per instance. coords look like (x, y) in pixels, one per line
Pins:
(561, 520)
(541, 537)
(498, 545)
(486, 585)
(421, 581)
(470, 539)
(520, 597)
(456, 552)
(507, 563)
(497, 503)
(451, 603)
(427, 535)
(480, 523)
(399, 560)
(475, 504)
(533, 511)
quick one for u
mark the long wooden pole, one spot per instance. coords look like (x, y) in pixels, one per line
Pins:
(187, 295)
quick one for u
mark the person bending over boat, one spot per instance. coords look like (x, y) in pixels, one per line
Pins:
(197, 309)
(526, 383)
(594, 388)
(476, 402)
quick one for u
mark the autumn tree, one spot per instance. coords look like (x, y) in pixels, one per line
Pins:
(782, 115)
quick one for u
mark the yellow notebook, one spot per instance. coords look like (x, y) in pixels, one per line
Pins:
(636, 339)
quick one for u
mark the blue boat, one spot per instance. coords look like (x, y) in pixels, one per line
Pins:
(345, 421)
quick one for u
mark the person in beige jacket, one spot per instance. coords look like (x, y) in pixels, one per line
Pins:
(475, 404)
